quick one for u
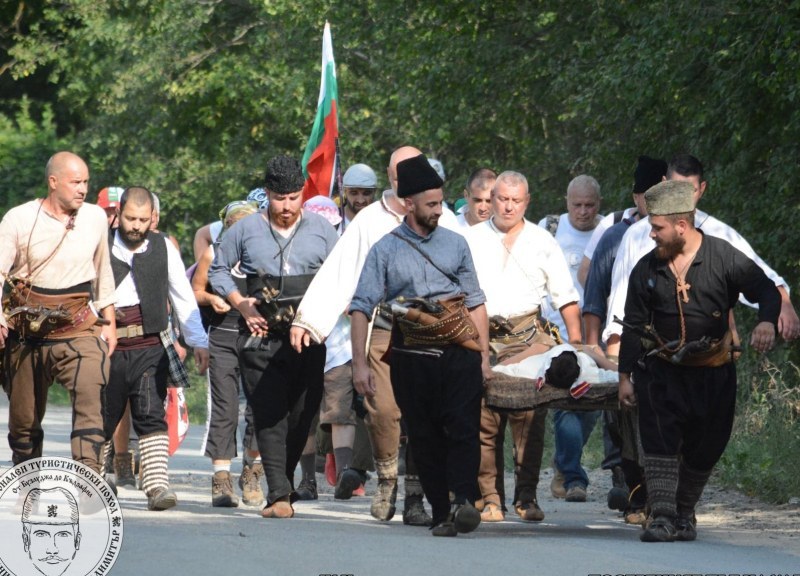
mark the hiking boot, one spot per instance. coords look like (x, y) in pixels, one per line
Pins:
(576, 493)
(161, 499)
(307, 489)
(685, 529)
(250, 483)
(492, 513)
(278, 509)
(557, 483)
(222, 494)
(383, 502)
(348, 481)
(123, 468)
(529, 511)
(414, 512)
(618, 495)
(660, 530)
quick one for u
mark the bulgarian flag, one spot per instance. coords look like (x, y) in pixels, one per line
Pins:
(319, 160)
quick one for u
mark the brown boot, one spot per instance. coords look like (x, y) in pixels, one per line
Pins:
(250, 483)
(222, 494)
(123, 467)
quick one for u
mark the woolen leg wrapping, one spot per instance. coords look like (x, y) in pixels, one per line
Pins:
(661, 473)
(387, 467)
(107, 447)
(413, 486)
(153, 455)
(690, 488)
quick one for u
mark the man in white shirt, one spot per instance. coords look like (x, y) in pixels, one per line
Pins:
(637, 242)
(477, 193)
(518, 266)
(572, 429)
(141, 366)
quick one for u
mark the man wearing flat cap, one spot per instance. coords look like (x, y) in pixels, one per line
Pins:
(439, 351)
(676, 358)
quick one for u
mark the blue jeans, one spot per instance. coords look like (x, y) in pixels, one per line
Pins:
(573, 429)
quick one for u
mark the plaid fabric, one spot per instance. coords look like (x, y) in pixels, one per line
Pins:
(178, 378)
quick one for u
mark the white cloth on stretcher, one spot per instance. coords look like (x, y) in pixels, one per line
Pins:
(534, 367)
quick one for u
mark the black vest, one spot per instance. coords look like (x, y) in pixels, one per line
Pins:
(151, 277)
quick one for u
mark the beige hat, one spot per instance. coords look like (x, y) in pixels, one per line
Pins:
(670, 197)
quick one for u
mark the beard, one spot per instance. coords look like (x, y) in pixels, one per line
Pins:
(132, 239)
(668, 250)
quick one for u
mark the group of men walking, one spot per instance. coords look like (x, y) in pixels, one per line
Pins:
(428, 309)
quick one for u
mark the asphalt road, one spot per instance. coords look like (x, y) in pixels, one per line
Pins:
(340, 537)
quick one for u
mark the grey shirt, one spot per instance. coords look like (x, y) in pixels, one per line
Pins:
(393, 269)
(253, 244)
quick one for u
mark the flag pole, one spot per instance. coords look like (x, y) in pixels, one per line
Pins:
(339, 186)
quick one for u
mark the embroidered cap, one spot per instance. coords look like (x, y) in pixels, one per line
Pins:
(415, 175)
(670, 197)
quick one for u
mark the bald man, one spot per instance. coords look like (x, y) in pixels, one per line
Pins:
(54, 252)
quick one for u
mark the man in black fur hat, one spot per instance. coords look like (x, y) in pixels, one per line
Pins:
(278, 250)
(439, 355)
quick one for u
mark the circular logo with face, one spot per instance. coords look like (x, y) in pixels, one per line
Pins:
(58, 517)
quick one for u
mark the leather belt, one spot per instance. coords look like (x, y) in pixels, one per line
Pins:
(131, 331)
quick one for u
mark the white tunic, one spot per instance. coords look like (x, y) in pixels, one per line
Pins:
(518, 281)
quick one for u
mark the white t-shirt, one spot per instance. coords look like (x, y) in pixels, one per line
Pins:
(573, 243)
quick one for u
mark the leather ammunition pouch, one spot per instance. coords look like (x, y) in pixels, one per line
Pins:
(278, 298)
(719, 353)
(453, 325)
(37, 313)
(509, 336)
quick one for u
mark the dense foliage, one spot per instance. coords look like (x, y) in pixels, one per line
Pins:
(190, 97)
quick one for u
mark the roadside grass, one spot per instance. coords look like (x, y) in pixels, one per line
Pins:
(763, 456)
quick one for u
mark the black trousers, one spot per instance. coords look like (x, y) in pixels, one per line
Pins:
(138, 375)
(686, 411)
(440, 399)
(223, 389)
(284, 390)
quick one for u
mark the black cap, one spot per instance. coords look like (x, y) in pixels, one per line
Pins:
(284, 175)
(416, 175)
(649, 172)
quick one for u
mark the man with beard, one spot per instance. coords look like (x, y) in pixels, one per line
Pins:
(360, 184)
(145, 357)
(54, 253)
(477, 193)
(327, 299)
(279, 250)
(684, 384)
(437, 369)
(636, 243)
